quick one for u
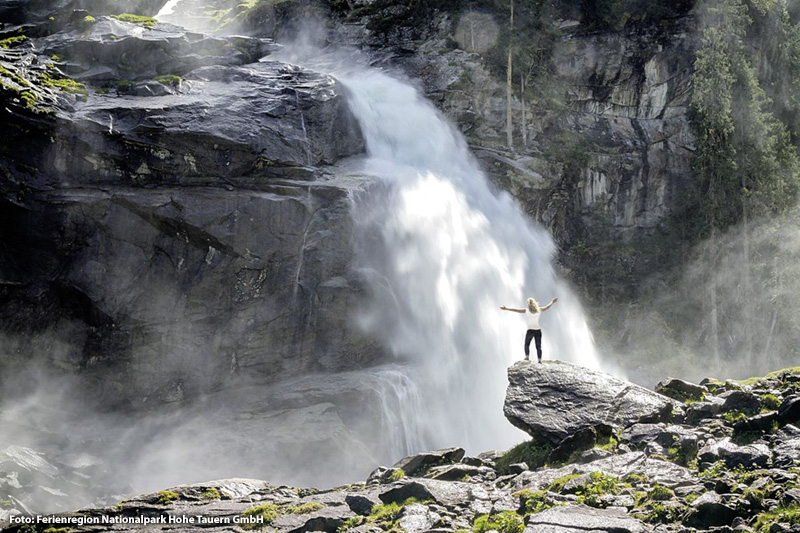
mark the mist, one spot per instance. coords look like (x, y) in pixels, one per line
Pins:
(729, 312)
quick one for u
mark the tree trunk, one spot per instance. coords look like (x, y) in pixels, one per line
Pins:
(509, 88)
(522, 101)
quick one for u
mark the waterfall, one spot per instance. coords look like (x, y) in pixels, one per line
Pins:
(442, 253)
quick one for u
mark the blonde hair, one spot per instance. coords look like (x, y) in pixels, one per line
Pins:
(533, 306)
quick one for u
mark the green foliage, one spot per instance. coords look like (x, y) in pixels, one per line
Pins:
(599, 485)
(11, 42)
(212, 493)
(351, 523)
(745, 160)
(782, 515)
(665, 514)
(533, 501)
(65, 84)
(534, 455)
(167, 496)
(558, 484)
(660, 493)
(733, 417)
(269, 512)
(304, 508)
(169, 79)
(635, 479)
(714, 470)
(396, 475)
(149, 22)
(505, 522)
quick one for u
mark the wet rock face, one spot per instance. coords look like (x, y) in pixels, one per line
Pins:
(166, 243)
(627, 101)
(555, 400)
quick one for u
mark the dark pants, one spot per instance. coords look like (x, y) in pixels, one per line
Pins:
(533, 334)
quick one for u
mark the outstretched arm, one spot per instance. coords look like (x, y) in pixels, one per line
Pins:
(504, 308)
(548, 306)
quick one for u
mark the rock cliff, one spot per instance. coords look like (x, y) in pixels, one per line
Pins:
(191, 218)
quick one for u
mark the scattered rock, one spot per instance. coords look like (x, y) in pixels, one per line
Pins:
(680, 390)
(418, 465)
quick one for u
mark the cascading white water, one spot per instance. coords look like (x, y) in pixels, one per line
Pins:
(445, 253)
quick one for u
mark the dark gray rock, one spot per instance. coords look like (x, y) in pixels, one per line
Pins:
(787, 452)
(707, 409)
(710, 510)
(594, 454)
(361, 503)
(553, 401)
(738, 400)
(581, 518)
(417, 518)
(453, 472)
(789, 411)
(418, 465)
(762, 423)
(445, 493)
(680, 390)
(582, 440)
(735, 455)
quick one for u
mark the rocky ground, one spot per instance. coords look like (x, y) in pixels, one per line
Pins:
(605, 456)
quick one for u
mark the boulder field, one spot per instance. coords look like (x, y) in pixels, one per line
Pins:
(605, 456)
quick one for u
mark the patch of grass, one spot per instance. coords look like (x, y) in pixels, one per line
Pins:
(505, 522)
(169, 80)
(599, 485)
(86, 22)
(67, 85)
(29, 98)
(351, 523)
(211, 493)
(149, 22)
(534, 455)
(733, 417)
(782, 515)
(770, 401)
(635, 479)
(268, 511)
(680, 456)
(660, 493)
(714, 470)
(771, 375)
(167, 496)
(533, 501)
(558, 484)
(691, 497)
(304, 508)
(385, 515)
(609, 443)
(664, 514)
(12, 41)
(397, 474)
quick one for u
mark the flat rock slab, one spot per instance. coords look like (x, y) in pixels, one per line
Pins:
(584, 519)
(554, 400)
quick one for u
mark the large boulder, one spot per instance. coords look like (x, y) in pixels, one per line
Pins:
(555, 400)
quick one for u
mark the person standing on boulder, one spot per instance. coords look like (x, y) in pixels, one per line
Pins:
(534, 330)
